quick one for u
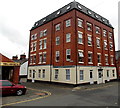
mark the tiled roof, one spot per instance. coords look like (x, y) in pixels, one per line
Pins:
(69, 7)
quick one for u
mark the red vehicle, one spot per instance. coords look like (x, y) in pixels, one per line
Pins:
(8, 88)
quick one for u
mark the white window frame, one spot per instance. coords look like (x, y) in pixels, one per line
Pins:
(106, 59)
(57, 27)
(56, 74)
(110, 35)
(80, 37)
(105, 44)
(111, 46)
(57, 40)
(40, 58)
(45, 43)
(39, 73)
(67, 74)
(34, 59)
(33, 46)
(98, 43)
(68, 37)
(99, 59)
(34, 36)
(81, 75)
(112, 59)
(44, 57)
(91, 58)
(31, 59)
(80, 23)
(45, 32)
(41, 33)
(43, 73)
(97, 30)
(57, 55)
(68, 23)
(89, 40)
(89, 26)
(68, 54)
(40, 42)
(80, 54)
(104, 32)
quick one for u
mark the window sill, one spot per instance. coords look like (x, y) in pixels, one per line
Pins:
(80, 26)
(80, 43)
(81, 62)
(90, 45)
(90, 62)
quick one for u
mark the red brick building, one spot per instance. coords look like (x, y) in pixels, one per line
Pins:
(72, 45)
(118, 63)
(9, 70)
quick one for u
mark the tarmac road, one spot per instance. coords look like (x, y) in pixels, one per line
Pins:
(87, 95)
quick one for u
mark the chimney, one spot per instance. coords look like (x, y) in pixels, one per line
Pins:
(15, 57)
(22, 56)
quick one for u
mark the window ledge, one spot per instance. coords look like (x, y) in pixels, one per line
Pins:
(81, 62)
(80, 43)
(90, 62)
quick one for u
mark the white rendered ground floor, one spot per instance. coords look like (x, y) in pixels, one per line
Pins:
(72, 74)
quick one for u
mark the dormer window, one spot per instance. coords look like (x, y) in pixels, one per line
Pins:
(103, 19)
(68, 7)
(36, 24)
(79, 7)
(58, 12)
(89, 12)
(44, 20)
(96, 16)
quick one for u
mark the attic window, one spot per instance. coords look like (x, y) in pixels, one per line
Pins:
(89, 12)
(36, 23)
(103, 20)
(68, 7)
(44, 20)
(96, 16)
(58, 12)
(79, 7)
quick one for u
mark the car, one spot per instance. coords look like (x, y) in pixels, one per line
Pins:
(9, 88)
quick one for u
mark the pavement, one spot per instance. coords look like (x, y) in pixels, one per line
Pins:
(46, 94)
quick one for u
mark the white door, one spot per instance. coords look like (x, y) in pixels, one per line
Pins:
(33, 76)
(91, 77)
(100, 76)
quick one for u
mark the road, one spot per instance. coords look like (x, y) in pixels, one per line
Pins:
(87, 95)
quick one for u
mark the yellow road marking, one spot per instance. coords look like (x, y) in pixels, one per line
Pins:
(29, 99)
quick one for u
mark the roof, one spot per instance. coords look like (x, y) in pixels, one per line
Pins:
(117, 54)
(66, 9)
(5, 61)
(4, 58)
(21, 61)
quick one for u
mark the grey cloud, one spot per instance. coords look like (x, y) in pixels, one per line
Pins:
(12, 34)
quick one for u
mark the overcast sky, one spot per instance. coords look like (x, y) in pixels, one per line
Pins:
(18, 16)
